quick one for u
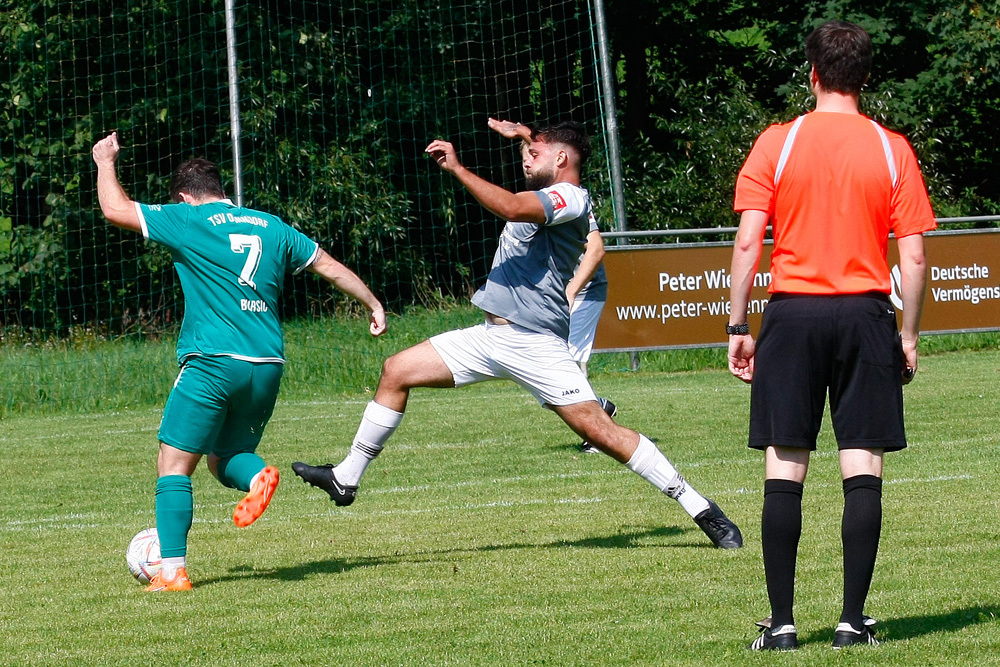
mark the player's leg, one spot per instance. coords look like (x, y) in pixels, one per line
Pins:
(644, 458)
(236, 471)
(861, 529)
(422, 365)
(610, 408)
(191, 421)
(542, 364)
(234, 461)
(866, 404)
(174, 516)
(785, 471)
(788, 397)
(417, 366)
(583, 319)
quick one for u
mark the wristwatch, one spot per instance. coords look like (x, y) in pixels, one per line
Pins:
(738, 330)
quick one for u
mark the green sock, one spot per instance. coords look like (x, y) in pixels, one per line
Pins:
(238, 470)
(174, 514)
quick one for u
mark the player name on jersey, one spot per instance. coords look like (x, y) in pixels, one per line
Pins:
(253, 305)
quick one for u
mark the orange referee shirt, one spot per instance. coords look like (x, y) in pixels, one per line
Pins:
(835, 203)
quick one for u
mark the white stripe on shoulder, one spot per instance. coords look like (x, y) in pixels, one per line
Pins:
(889, 157)
(786, 148)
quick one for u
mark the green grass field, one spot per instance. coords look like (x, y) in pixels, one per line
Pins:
(481, 537)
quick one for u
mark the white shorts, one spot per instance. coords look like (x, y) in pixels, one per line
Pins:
(539, 362)
(583, 319)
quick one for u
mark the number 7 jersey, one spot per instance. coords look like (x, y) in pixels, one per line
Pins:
(231, 262)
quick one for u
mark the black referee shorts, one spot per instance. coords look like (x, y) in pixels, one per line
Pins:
(847, 344)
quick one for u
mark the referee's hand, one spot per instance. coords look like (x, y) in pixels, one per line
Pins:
(741, 356)
(909, 358)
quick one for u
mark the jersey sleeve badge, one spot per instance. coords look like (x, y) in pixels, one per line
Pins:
(557, 200)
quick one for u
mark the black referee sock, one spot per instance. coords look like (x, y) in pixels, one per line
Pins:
(781, 527)
(860, 532)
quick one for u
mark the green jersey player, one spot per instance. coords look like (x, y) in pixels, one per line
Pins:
(231, 262)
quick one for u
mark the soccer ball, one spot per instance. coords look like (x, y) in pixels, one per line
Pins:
(143, 555)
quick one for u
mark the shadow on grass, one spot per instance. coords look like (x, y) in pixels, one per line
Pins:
(336, 565)
(910, 627)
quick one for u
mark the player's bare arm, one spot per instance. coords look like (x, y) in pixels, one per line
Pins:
(116, 206)
(592, 258)
(517, 207)
(350, 284)
(747, 250)
(913, 277)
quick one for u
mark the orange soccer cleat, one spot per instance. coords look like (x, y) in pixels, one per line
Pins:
(180, 582)
(255, 502)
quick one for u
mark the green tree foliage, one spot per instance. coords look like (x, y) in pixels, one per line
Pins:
(339, 99)
(700, 80)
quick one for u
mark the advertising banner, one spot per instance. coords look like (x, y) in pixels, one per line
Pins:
(678, 296)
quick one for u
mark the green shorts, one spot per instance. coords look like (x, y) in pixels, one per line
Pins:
(220, 405)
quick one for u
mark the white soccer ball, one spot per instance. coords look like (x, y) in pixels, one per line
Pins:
(143, 555)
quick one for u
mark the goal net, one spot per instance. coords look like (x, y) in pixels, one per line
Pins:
(337, 101)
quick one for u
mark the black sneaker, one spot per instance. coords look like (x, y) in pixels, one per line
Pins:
(784, 638)
(846, 635)
(322, 477)
(723, 532)
(612, 410)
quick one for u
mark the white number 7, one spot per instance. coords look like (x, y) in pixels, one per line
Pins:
(241, 243)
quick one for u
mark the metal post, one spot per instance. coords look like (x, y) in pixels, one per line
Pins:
(610, 118)
(611, 128)
(234, 101)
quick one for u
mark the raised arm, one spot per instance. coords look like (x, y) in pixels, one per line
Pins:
(350, 284)
(518, 207)
(116, 206)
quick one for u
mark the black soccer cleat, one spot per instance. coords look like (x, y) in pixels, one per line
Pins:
(784, 638)
(724, 533)
(846, 635)
(322, 477)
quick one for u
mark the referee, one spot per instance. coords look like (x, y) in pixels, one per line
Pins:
(833, 184)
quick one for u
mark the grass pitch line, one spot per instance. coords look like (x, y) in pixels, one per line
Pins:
(76, 521)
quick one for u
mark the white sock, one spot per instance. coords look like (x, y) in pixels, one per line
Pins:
(377, 424)
(169, 566)
(649, 463)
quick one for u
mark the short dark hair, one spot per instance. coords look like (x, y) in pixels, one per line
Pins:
(567, 132)
(841, 53)
(197, 177)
